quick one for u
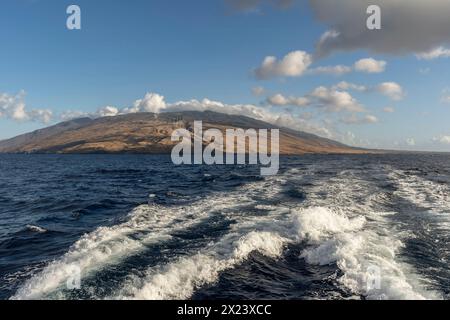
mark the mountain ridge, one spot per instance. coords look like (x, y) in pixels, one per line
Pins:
(150, 133)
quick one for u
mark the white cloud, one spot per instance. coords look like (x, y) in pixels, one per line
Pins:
(335, 101)
(392, 90)
(439, 52)
(152, 102)
(370, 65)
(280, 100)
(367, 65)
(297, 63)
(14, 108)
(108, 111)
(294, 64)
(442, 139)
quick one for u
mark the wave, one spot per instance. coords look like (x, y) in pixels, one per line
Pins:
(36, 229)
(367, 259)
(343, 220)
(347, 224)
(179, 280)
(145, 225)
(108, 245)
(332, 238)
(424, 193)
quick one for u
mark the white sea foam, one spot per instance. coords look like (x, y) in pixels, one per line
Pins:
(349, 227)
(424, 193)
(37, 229)
(358, 251)
(109, 245)
(317, 223)
(178, 280)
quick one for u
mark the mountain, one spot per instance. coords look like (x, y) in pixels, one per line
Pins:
(150, 133)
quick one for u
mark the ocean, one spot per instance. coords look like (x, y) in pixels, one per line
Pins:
(138, 227)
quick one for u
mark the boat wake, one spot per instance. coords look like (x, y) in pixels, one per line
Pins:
(342, 220)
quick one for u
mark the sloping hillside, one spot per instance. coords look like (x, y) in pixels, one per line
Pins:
(150, 133)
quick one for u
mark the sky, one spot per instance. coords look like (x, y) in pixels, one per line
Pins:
(304, 64)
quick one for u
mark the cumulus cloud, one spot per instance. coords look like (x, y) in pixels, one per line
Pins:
(392, 90)
(280, 100)
(294, 64)
(335, 101)
(297, 63)
(338, 99)
(439, 52)
(442, 139)
(108, 111)
(367, 65)
(408, 26)
(13, 107)
(370, 65)
(152, 102)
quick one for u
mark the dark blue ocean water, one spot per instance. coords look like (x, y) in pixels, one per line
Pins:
(138, 227)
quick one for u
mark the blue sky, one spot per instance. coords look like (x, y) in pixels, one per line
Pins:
(198, 49)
